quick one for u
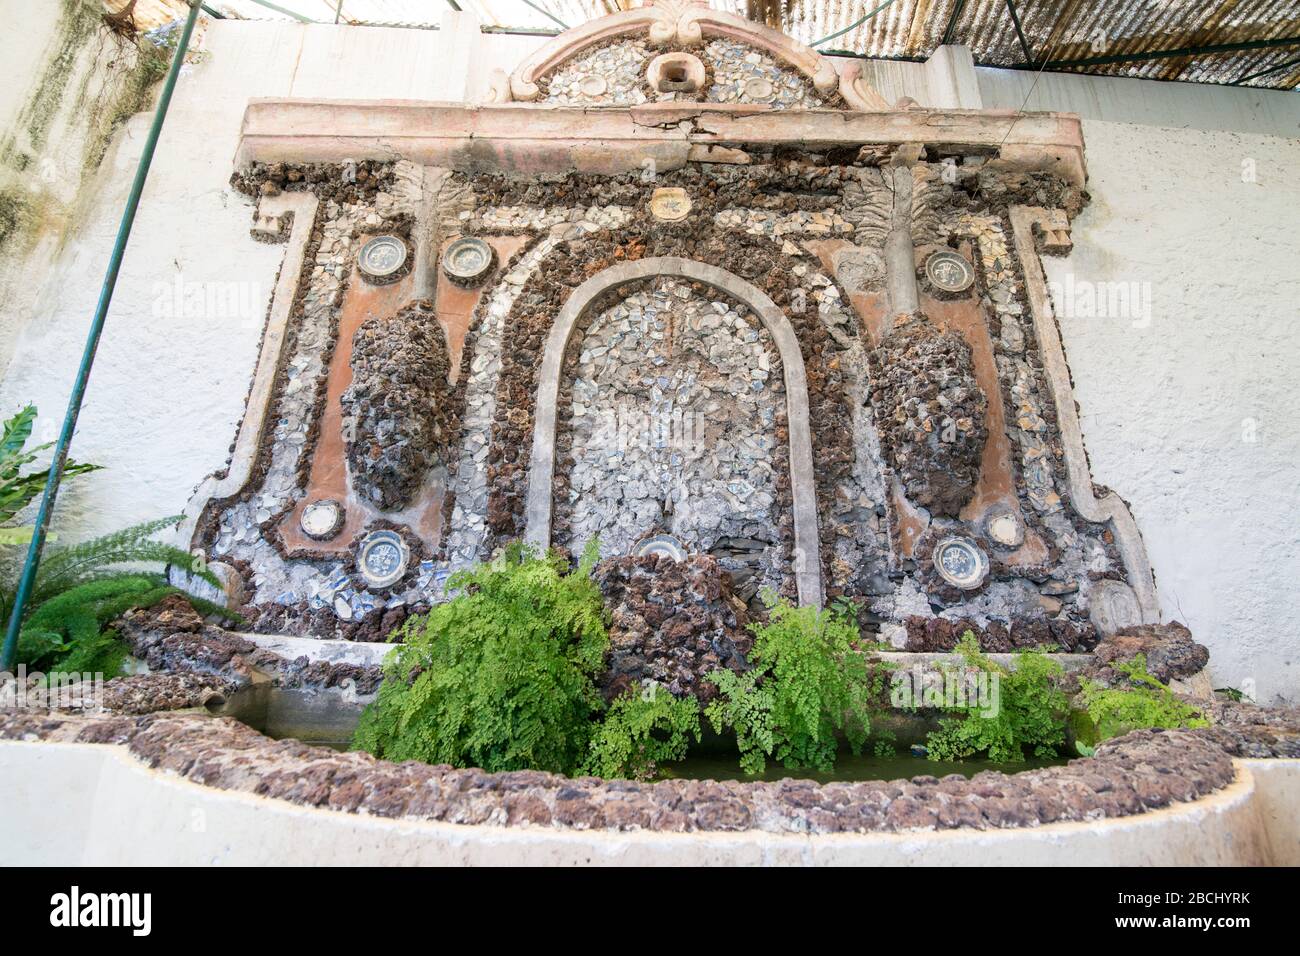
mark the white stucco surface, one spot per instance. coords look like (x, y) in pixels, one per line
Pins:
(171, 377)
(1164, 404)
(1187, 400)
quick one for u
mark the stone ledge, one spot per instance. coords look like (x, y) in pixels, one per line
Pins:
(547, 140)
(77, 804)
(1143, 771)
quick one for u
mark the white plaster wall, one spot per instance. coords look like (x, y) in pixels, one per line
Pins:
(169, 383)
(56, 180)
(1163, 405)
(1188, 404)
(1143, 102)
(1195, 196)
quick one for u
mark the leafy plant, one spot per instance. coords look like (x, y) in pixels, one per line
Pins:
(1028, 710)
(746, 708)
(811, 685)
(19, 488)
(500, 677)
(1113, 711)
(81, 588)
(884, 743)
(642, 728)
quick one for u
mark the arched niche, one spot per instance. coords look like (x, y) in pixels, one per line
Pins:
(541, 472)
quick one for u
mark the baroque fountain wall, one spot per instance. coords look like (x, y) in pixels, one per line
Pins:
(838, 379)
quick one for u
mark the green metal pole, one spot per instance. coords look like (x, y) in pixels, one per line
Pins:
(852, 26)
(92, 344)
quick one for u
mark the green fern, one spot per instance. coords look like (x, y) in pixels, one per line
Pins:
(500, 677)
(813, 686)
(1112, 711)
(746, 709)
(66, 633)
(642, 729)
(81, 588)
(65, 568)
(17, 490)
(1030, 710)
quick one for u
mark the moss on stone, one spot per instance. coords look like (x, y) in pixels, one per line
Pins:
(130, 96)
(116, 84)
(13, 215)
(77, 24)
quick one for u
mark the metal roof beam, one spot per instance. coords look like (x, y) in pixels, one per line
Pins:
(1266, 71)
(1205, 49)
(952, 21)
(1015, 20)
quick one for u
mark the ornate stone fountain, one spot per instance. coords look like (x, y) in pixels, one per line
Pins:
(682, 276)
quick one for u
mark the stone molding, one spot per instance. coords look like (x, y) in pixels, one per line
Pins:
(541, 472)
(260, 396)
(1110, 509)
(683, 23)
(549, 140)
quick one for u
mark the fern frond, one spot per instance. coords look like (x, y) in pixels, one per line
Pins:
(499, 677)
(65, 568)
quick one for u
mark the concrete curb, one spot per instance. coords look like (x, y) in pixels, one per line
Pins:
(92, 804)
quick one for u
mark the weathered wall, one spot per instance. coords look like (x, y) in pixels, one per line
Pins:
(1166, 401)
(66, 84)
(183, 332)
(1184, 393)
(1186, 398)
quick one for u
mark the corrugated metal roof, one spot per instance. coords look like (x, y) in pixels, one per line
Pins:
(1254, 42)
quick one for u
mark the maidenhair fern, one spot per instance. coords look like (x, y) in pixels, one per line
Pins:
(1025, 709)
(746, 709)
(1112, 711)
(501, 676)
(813, 685)
(643, 728)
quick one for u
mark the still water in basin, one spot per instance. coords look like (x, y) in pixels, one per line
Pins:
(327, 719)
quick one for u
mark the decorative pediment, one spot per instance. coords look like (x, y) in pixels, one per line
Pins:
(682, 50)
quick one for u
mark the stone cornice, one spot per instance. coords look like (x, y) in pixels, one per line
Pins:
(548, 140)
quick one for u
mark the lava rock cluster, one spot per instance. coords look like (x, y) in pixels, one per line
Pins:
(671, 622)
(931, 414)
(395, 411)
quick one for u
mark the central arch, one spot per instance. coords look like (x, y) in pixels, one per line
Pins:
(541, 469)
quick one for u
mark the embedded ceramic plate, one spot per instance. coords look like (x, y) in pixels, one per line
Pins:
(467, 259)
(960, 562)
(664, 544)
(382, 558)
(1005, 528)
(670, 203)
(592, 85)
(381, 257)
(321, 519)
(949, 271)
